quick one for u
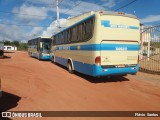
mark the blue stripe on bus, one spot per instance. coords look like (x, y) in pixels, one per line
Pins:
(98, 47)
(61, 61)
(95, 70)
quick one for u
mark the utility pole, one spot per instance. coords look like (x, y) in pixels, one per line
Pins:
(57, 5)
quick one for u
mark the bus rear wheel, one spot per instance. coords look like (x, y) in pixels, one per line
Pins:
(70, 68)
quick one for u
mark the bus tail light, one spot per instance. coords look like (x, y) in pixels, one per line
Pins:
(138, 59)
(98, 60)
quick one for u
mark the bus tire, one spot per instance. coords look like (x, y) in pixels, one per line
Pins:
(70, 68)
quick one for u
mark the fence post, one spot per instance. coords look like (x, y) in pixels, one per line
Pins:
(141, 42)
(149, 43)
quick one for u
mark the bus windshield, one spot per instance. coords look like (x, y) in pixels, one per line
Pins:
(46, 44)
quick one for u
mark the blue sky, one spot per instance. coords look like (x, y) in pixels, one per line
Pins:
(25, 19)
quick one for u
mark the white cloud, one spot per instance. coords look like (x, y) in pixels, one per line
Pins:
(150, 19)
(31, 13)
(11, 33)
(37, 31)
(52, 28)
(109, 3)
(33, 9)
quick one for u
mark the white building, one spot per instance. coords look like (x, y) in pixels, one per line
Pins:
(10, 48)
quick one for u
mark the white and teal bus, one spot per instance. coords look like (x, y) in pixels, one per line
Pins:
(40, 48)
(104, 43)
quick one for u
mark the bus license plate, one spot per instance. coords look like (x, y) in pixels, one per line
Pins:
(121, 66)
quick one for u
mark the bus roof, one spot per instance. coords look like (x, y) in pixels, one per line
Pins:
(41, 38)
(72, 21)
(117, 14)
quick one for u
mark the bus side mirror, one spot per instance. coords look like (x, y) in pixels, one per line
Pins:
(40, 44)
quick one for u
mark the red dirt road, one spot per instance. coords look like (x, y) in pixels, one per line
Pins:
(43, 86)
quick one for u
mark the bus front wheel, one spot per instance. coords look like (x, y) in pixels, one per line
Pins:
(70, 68)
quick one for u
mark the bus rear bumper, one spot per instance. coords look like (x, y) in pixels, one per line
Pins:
(99, 71)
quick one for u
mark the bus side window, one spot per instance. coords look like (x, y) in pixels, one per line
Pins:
(57, 39)
(80, 32)
(70, 35)
(87, 29)
(77, 33)
(83, 30)
(64, 37)
(73, 34)
(61, 38)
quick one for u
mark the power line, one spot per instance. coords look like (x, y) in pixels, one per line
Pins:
(60, 2)
(72, 7)
(126, 5)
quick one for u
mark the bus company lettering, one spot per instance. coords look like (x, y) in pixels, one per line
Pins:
(121, 48)
(26, 114)
(119, 26)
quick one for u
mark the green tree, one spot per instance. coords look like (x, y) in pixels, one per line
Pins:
(23, 46)
(15, 43)
(6, 42)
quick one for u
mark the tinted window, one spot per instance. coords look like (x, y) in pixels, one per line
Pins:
(78, 33)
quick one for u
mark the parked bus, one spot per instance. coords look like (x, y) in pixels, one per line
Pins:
(104, 43)
(40, 48)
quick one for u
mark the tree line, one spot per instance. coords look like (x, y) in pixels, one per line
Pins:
(19, 45)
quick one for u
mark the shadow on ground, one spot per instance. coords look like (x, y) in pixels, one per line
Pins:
(47, 60)
(9, 51)
(5, 118)
(106, 79)
(7, 102)
(6, 57)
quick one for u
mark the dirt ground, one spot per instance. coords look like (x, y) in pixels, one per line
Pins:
(33, 85)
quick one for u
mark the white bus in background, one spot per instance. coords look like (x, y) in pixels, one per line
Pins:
(40, 48)
(103, 43)
(10, 48)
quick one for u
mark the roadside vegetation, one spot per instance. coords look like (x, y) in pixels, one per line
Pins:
(19, 45)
